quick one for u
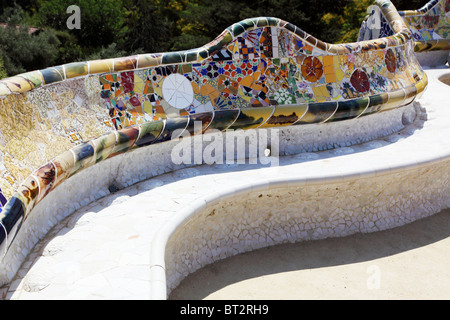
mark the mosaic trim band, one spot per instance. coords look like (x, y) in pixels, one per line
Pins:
(260, 72)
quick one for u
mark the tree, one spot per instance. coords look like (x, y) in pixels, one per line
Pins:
(3, 73)
(353, 15)
(101, 21)
(113, 28)
(22, 50)
(203, 20)
(147, 28)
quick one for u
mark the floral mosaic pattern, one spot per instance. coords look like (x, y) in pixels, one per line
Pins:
(282, 72)
(260, 72)
(430, 25)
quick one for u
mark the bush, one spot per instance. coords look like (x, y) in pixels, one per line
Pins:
(22, 50)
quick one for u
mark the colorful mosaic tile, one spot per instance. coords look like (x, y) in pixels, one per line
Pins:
(430, 25)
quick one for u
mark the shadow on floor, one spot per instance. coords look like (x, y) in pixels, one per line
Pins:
(335, 252)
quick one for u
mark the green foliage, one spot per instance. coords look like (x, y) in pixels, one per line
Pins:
(3, 73)
(69, 50)
(111, 51)
(354, 13)
(101, 20)
(22, 51)
(147, 28)
(208, 18)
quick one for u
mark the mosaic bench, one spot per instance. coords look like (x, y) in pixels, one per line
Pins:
(155, 232)
(259, 73)
(430, 27)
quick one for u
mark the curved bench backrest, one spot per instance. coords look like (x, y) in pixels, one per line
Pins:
(430, 25)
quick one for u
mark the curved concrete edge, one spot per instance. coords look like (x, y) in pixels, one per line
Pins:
(234, 194)
(143, 163)
(438, 159)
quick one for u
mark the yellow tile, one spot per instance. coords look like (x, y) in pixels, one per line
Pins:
(321, 93)
(138, 87)
(147, 107)
(328, 69)
(100, 66)
(330, 77)
(339, 75)
(247, 81)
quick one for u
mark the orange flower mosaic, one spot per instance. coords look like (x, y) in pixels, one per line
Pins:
(312, 69)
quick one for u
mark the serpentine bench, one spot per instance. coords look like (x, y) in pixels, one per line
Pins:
(259, 73)
(430, 27)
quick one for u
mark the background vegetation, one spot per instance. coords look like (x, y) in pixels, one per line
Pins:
(34, 34)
